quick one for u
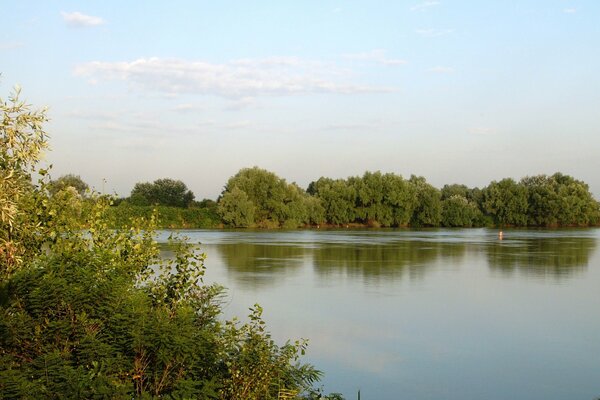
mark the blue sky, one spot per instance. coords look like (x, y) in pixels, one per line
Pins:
(456, 91)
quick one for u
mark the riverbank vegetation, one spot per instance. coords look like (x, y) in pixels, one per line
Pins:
(87, 311)
(258, 198)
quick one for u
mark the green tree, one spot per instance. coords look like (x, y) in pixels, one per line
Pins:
(264, 189)
(428, 211)
(559, 200)
(66, 181)
(236, 209)
(338, 199)
(455, 190)
(401, 196)
(22, 140)
(276, 203)
(457, 211)
(166, 192)
(506, 202)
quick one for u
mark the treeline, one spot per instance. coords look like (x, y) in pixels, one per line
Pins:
(258, 198)
(170, 198)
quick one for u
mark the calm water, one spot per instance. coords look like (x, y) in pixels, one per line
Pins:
(435, 314)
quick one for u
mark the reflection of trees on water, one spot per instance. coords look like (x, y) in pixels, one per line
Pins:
(555, 257)
(383, 262)
(261, 264)
(268, 264)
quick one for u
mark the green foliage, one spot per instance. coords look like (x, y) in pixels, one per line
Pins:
(457, 211)
(259, 368)
(96, 313)
(167, 217)
(22, 141)
(236, 209)
(388, 200)
(559, 200)
(165, 192)
(506, 201)
(68, 181)
(338, 198)
(428, 211)
(255, 196)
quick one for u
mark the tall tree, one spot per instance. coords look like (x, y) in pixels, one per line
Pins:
(275, 201)
(428, 211)
(165, 192)
(506, 202)
(22, 140)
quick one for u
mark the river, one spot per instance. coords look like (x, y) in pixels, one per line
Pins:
(424, 314)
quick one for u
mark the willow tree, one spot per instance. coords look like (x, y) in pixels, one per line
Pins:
(22, 141)
(255, 196)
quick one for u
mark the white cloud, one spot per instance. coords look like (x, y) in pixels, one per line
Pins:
(424, 5)
(377, 55)
(430, 33)
(78, 20)
(237, 79)
(570, 10)
(441, 70)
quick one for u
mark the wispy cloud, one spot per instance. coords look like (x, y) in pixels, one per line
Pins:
(366, 127)
(11, 45)
(241, 104)
(481, 131)
(236, 79)
(188, 108)
(94, 115)
(570, 10)
(79, 20)
(441, 70)
(425, 5)
(430, 33)
(377, 55)
(237, 125)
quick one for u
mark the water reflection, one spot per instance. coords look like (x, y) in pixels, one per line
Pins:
(260, 265)
(383, 262)
(547, 257)
(390, 256)
(258, 259)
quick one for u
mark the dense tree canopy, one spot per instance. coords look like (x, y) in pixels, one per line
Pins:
(257, 197)
(559, 200)
(506, 201)
(254, 196)
(165, 192)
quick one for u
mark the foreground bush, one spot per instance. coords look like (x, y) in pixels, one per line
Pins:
(95, 312)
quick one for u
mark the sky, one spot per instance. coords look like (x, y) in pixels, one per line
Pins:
(456, 91)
